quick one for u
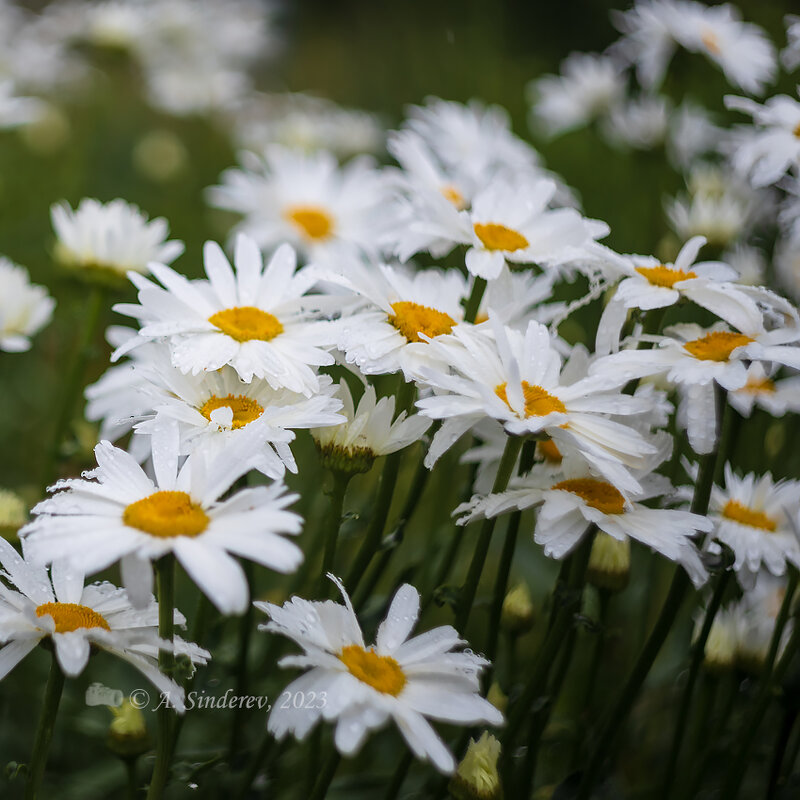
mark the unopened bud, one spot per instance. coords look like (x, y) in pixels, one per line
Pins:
(497, 697)
(477, 777)
(127, 734)
(518, 614)
(609, 563)
(13, 514)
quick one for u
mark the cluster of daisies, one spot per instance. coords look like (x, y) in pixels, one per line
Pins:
(445, 271)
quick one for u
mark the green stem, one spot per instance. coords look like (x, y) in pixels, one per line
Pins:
(333, 524)
(73, 383)
(698, 653)
(470, 587)
(242, 656)
(130, 772)
(44, 732)
(399, 776)
(772, 675)
(474, 300)
(165, 577)
(652, 647)
(325, 777)
(388, 482)
(782, 742)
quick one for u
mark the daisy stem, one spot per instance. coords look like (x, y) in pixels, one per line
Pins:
(44, 732)
(470, 587)
(325, 777)
(372, 540)
(73, 383)
(399, 776)
(245, 639)
(658, 635)
(507, 556)
(698, 651)
(779, 753)
(474, 300)
(333, 523)
(165, 577)
(771, 677)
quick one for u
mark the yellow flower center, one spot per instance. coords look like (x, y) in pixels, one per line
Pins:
(380, 672)
(664, 276)
(245, 409)
(740, 513)
(313, 222)
(548, 451)
(538, 401)
(411, 319)
(759, 386)
(716, 346)
(454, 196)
(166, 514)
(71, 616)
(244, 323)
(597, 494)
(498, 237)
(710, 41)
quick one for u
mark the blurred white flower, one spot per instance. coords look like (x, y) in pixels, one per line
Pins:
(640, 123)
(25, 308)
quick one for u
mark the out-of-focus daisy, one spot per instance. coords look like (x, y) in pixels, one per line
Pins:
(749, 262)
(640, 123)
(15, 110)
(25, 308)
(588, 86)
(254, 318)
(776, 397)
(651, 284)
(755, 517)
(369, 431)
(516, 378)
(305, 199)
(212, 405)
(111, 239)
(572, 501)
(397, 678)
(36, 606)
(771, 147)
(692, 133)
(121, 514)
(404, 307)
(790, 56)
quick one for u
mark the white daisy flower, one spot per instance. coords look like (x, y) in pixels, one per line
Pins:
(369, 431)
(776, 397)
(790, 56)
(308, 200)
(361, 688)
(692, 133)
(118, 513)
(210, 406)
(516, 379)
(573, 500)
(36, 606)
(404, 307)
(641, 123)
(588, 86)
(25, 308)
(650, 284)
(15, 110)
(113, 238)
(254, 318)
(756, 518)
(771, 147)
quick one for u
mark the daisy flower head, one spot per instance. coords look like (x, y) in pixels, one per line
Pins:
(790, 56)
(117, 513)
(25, 308)
(36, 605)
(361, 689)
(398, 307)
(106, 241)
(770, 147)
(757, 517)
(573, 499)
(516, 378)
(368, 432)
(641, 123)
(254, 318)
(588, 86)
(307, 199)
(648, 283)
(776, 397)
(214, 406)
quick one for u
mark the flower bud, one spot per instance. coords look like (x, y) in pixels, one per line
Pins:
(349, 460)
(609, 563)
(477, 777)
(497, 697)
(13, 514)
(127, 734)
(517, 614)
